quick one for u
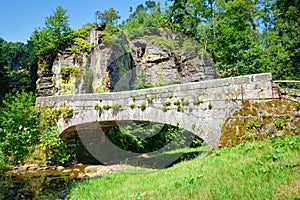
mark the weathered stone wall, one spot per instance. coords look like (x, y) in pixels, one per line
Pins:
(199, 107)
(259, 120)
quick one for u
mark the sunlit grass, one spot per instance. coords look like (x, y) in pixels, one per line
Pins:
(258, 170)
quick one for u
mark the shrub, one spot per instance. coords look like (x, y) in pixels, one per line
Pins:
(54, 150)
(23, 127)
(18, 130)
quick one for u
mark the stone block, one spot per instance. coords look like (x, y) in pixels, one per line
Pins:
(241, 80)
(262, 77)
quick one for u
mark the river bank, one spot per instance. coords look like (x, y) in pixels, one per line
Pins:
(30, 181)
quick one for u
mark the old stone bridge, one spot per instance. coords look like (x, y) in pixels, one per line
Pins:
(199, 107)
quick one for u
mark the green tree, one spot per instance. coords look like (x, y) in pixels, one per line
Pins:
(236, 48)
(144, 16)
(109, 16)
(53, 38)
(3, 71)
(284, 39)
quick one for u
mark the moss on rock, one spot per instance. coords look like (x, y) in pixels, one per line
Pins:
(259, 120)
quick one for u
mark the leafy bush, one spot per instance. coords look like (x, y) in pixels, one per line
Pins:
(23, 128)
(141, 82)
(18, 126)
(2, 160)
(143, 137)
(54, 150)
(163, 43)
(78, 39)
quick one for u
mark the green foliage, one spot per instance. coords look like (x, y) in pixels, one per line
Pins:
(167, 103)
(3, 160)
(298, 106)
(144, 137)
(65, 111)
(185, 102)
(141, 82)
(78, 39)
(108, 16)
(117, 107)
(13, 67)
(54, 150)
(279, 124)
(18, 126)
(24, 128)
(132, 106)
(69, 72)
(176, 103)
(163, 43)
(80, 46)
(98, 107)
(52, 39)
(142, 18)
(106, 107)
(165, 108)
(142, 107)
(70, 69)
(210, 106)
(254, 124)
(197, 101)
(179, 108)
(150, 100)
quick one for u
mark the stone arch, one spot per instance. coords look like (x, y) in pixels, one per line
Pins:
(201, 127)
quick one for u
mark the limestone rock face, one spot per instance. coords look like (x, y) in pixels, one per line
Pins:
(123, 62)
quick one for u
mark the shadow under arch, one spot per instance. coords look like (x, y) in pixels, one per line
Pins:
(97, 148)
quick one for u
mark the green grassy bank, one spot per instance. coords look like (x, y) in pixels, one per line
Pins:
(267, 169)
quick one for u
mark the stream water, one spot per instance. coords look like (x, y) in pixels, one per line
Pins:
(33, 187)
(43, 183)
(44, 186)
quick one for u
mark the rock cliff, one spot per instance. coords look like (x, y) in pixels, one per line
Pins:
(126, 61)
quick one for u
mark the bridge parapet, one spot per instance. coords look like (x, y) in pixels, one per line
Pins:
(199, 107)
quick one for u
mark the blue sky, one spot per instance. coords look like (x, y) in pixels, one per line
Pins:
(20, 17)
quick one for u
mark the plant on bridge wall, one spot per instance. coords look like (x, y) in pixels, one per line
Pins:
(210, 106)
(185, 102)
(165, 108)
(98, 107)
(179, 108)
(65, 111)
(176, 103)
(106, 107)
(150, 100)
(142, 106)
(132, 106)
(116, 107)
(197, 101)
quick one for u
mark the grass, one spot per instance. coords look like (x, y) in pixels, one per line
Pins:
(256, 170)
